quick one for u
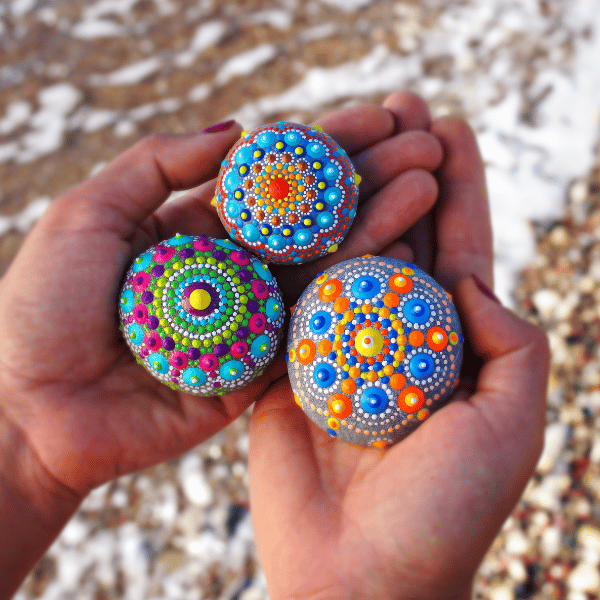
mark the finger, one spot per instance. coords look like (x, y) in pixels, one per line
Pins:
(464, 233)
(137, 182)
(382, 162)
(409, 110)
(358, 127)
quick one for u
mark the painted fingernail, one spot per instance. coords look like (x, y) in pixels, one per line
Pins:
(218, 127)
(484, 289)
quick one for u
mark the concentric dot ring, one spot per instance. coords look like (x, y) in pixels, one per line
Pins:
(201, 315)
(287, 192)
(374, 347)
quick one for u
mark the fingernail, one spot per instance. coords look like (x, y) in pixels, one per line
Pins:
(218, 127)
(484, 289)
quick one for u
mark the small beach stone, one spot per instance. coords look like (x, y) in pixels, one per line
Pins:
(201, 315)
(287, 192)
(374, 347)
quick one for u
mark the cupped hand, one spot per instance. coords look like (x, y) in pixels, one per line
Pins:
(333, 520)
(77, 405)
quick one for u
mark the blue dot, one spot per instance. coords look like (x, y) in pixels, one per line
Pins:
(331, 171)
(332, 432)
(320, 322)
(374, 400)
(158, 363)
(332, 356)
(273, 309)
(315, 149)
(303, 237)
(233, 209)
(135, 334)
(194, 376)
(366, 287)
(262, 270)
(243, 155)
(232, 369)
(141, 262)
(250, 232)
(292, 138)
(332, 196)
(416, 311)
(324, 219)
(422, 366)
(266, 139)
(260, 346)
(231, 182)
(324, 375)
(276, 242)
(127, 301)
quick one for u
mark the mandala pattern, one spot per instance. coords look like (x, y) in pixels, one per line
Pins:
(374, 346)
(202, 315)
(287, 192)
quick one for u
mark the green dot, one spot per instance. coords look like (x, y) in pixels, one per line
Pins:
(219, 323)
(180, 278)
(235, 280)
(239, 318)
(196, 343)
(204, 271)
(185, 342)
(201, 329)
(227, 334)
(229, 311)
(229, 295)
(196, 271)
(192, 328)
(168, 272)
(176, 336)
(157, 293)
(241, 289)
(207, 343)
(244, 299)
(220, 279)
(189, 261)
(242, 309)
(212, 261)
(178, 265)
(234, 327)
(217, 339)
(231, 272)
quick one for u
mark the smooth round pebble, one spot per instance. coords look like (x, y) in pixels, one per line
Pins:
(202, 315)
(287, 192)
(374, 347)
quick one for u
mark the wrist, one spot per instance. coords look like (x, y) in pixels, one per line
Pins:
(33, 507)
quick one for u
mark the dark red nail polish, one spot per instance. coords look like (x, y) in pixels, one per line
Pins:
(218, 127)
(484, 289)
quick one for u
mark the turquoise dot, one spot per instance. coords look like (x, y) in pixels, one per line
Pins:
(179, 240)
(243, 155)
(266, 139)
(250, 232)
(333, 196)
(273, 309)
(127, 301)
(366, 287)
(228, 244)
(331, 171)
(315, 150)
(260, 346)
(262, 270)
(374, 400)
(141, 262)
(303, 237)
(324, 219)
(276, 242)
(292, 137)
(194, 376)
(233, 209)
(158, 363)
(231, 182)
(135, 334)
(232, 369)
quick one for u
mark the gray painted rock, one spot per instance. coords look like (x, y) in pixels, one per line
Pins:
(201, 315)
(374, 347)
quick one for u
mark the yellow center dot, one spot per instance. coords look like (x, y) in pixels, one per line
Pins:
(369, 342)
(199, 299)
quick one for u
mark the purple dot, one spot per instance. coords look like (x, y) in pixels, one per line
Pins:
(219, 255)
(221, 349)
(147, 297)
(193, 354)
(252, 306)
(152, 322)
(157, 271)
(168, 343)
(242, 333)
(244, 275)
(186, 253)
(216, 384)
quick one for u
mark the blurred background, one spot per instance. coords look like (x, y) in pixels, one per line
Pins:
(80, 81)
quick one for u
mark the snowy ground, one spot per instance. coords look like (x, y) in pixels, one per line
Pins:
(81, 81)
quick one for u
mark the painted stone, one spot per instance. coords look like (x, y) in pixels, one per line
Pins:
(374, 347)
(287, 192)
(202, 315)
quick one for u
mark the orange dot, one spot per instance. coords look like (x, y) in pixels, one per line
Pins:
(400, 283)
(339, 405)
(324, 347)
(437, 338)
(306, 351)
(371, 376)
(411, 399)
(337, 345)
(330, 290)
(341, 360)
(384, 313)
(349, 315)
(341, 305)
(397, 381)
(339, 329)
(354, 372)
(391, 300)
(381, 444)
(416, 338)
(388, 370)
(348, 386)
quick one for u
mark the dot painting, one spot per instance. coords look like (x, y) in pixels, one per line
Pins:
(202, 315)
(287, 192)
(374, 347)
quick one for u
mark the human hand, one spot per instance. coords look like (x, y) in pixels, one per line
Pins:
(333, 520)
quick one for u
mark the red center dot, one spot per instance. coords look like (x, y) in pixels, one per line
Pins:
(279, 188)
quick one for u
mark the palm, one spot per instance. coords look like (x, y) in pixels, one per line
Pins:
(91, 411)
